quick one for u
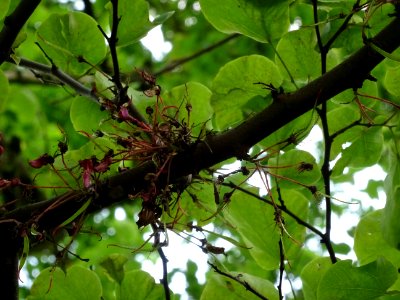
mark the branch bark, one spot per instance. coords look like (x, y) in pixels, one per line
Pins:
(232, 143)
(13, 25)
(9, 253)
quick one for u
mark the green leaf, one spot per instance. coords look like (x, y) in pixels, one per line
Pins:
(373, 188)
(311, 276)
(369, 243)
(391, 81)
(4, 4)
(294, 169)
(297, 50)
(219, 287)
(25, 252)
(391, 212)
(87, 117)
(4, 89)
(195, 205)
(134, 20)
(139, 285)
(262, 20)
(344, 281)
(198, 97)
(114, 266)
(234, 86)
(369, 140)
(293, 132)
(254, 220)
(338, 118)
(67, 37)
(77, 284)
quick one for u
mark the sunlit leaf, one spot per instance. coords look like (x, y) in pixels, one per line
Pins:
(391, 80)
(134, 21)
(196, 204)
(114, 266)
(219, 287)
(77, 283)
(262, 20)
(369, 243)
(312, 274)
(297, 51)
(87, 117)
(236, 84)
(344, 281)
(195, 97)
(391, 212)
(255, 221)
(139, 285)
(295, 169)
(369, 140)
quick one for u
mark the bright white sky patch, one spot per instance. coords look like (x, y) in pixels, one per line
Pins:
(120, 214)
(154, 41)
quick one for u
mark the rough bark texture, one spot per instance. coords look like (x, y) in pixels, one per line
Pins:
(9, 253)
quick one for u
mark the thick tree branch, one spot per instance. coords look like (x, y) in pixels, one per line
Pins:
(232, 143)
(13, 24)
(9, 252)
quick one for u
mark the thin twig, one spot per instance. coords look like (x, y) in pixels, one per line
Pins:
(325, 170)
(319, 39)
(326, 175)
(66, 79)
(184, 60)
(63, 77)
(281, 267)
(121, 93)
(238, 280)
(112, 43)
(164, 280)
(159, 245)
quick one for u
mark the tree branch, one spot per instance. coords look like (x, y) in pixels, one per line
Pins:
(13, 24)
(186, 59)
(66, 79)
(9, 259)
(79, 88)
(235, 142)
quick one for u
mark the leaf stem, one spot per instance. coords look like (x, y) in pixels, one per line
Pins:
(181, 61)
(159, 245)
(281, 267)
(238, 280)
